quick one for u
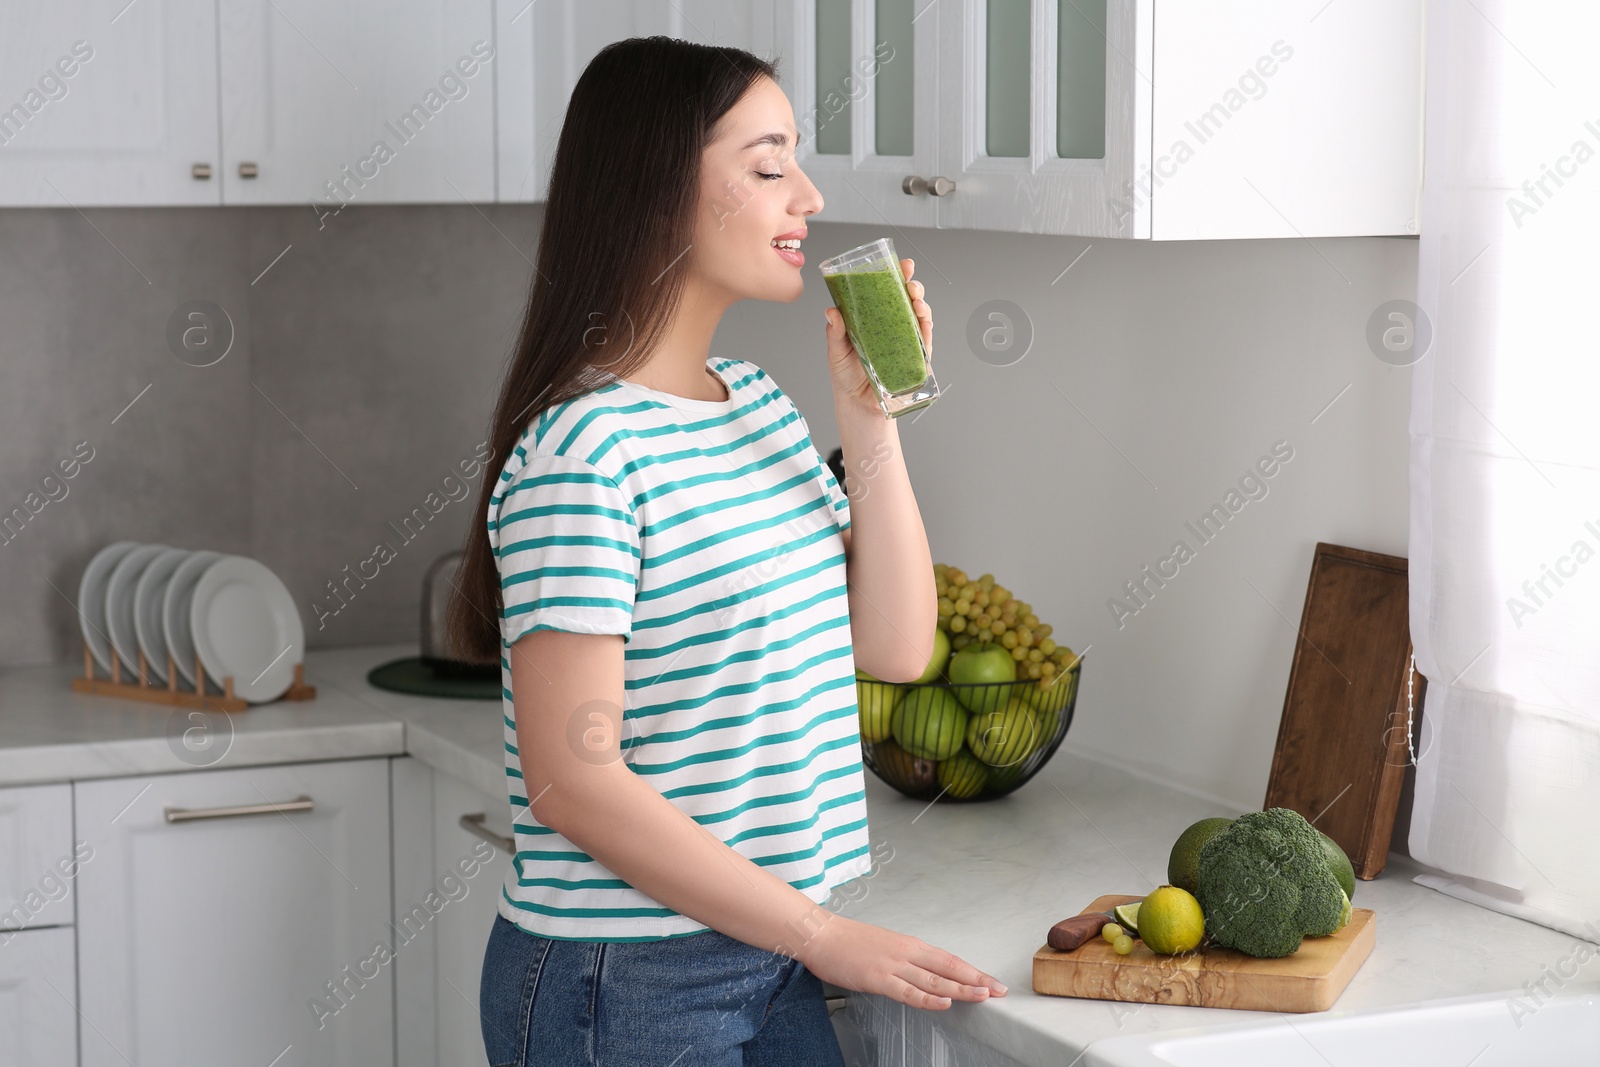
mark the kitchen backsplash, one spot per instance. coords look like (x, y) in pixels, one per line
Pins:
(349, 370)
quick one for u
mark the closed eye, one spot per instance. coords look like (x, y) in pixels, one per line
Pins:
(769, 177)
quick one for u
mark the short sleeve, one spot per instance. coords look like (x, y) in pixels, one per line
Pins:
(567, 547)
(841, 503)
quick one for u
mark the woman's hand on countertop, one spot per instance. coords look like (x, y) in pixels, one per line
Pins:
(871, 959)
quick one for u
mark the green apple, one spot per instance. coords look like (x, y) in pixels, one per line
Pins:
(941, 655)
(930, 723)
(963, 775)
(983, 663)
(1001, 738)
(875, 702)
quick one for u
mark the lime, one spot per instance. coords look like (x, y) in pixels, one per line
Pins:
(963, 775)
(1339, 863)
(930, 723)
(1170, 921)
(1128, 916)
(1183, 866)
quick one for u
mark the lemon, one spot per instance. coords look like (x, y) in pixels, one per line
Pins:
(1170, 921)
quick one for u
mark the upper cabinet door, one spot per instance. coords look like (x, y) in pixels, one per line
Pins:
(108, 104)
(1286, 118)
(546, 45)
(364, 102)
(1045, 114)
(862, 77)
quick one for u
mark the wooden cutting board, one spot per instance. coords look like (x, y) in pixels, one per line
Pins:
(1310, 979)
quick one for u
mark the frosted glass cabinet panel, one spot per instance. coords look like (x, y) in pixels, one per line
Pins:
(1044, 114)
(1275, 118)
(862, 76)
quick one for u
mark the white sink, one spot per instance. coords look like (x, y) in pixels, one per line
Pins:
(1507, 1029)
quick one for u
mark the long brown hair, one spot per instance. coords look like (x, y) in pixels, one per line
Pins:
(618, 219)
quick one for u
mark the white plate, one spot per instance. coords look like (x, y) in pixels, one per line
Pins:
(147, 597)
(92, 599)
(175, 601)
(119, 603)
(245, 625)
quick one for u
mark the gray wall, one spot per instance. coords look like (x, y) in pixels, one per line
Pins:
(367, 357)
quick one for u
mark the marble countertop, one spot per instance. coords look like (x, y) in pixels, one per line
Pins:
(984, 880)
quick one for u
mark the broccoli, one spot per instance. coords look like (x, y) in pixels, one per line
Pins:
(1264, 883)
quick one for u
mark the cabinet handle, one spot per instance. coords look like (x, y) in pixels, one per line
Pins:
(473, 824)
(917, 185)
(248, 170)
(836, 1004)
(201, 172)
(191, 814)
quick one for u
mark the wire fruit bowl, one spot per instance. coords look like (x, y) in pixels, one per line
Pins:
(963, 741)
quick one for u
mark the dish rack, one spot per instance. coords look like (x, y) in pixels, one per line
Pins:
(171, 694)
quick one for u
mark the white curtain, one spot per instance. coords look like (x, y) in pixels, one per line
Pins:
(1505, 461)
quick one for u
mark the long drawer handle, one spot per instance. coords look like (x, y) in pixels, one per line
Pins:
(473, 824)
(301, 803)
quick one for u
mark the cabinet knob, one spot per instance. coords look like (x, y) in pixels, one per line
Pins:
(201, 172)
(248, 170)
(916, 185)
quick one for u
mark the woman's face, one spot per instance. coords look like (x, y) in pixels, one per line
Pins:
(742, 211)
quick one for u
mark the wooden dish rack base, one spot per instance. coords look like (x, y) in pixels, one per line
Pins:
(183, 698)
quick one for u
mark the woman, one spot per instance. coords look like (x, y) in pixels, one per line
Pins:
(663, 538)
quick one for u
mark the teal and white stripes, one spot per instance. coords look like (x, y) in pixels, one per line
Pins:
(708, 534)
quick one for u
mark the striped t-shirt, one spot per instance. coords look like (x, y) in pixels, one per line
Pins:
(709, 534)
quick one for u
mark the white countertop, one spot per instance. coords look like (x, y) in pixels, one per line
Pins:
(985, 880)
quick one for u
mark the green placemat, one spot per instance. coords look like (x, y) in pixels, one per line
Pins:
(411, 675)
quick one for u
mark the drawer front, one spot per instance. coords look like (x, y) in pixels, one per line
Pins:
(38, 868)
(38, 999)
(211, 932)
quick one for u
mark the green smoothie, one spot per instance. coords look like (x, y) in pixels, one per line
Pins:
(878, 314)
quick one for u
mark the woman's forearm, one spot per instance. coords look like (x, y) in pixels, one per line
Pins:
(894, 607)
(639, 835)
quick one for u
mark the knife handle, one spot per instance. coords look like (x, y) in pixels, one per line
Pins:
(1068, 934)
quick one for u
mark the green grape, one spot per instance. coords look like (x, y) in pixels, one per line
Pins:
(1122, 945)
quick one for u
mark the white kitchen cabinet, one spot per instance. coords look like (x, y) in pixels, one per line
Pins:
(1114, 118)
(463, 926)
(359, 102)
(106, 104)
(38, 999)
(208, 934)
(545, 47)
(38, 862)
(862, 79)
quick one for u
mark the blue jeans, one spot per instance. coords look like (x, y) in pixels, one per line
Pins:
(704, 999)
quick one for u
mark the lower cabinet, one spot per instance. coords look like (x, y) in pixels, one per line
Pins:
(38, 999)
(471, 832)
(237, 917)
(886, 1033)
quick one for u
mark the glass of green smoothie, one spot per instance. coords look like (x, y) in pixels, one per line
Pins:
(870, 292)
